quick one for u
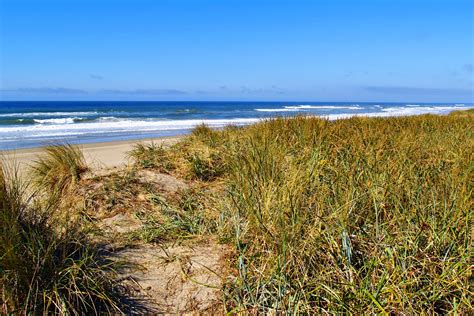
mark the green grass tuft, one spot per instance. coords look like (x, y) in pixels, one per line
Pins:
(206, 166)
(59, 168)
(151, 156)
(186, 217)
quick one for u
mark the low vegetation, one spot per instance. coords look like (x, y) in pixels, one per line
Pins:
(48, 265)
(172, 222)
(60, 167)
(151, 156)
(365, 215)
(355, 216)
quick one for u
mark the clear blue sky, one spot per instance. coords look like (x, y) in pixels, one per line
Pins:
(366, 50)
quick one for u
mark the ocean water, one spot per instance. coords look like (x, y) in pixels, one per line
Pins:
(31, 124)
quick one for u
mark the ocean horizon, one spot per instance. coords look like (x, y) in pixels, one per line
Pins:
(26, 124)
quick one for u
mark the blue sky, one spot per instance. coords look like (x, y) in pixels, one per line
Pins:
(367, 50)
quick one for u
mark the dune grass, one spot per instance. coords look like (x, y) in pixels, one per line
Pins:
(151, 156)
(364, 215)
(462, 112)
(60, 167)
(48, 265)
(355, 216)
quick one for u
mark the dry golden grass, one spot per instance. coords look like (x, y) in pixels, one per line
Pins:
(48, 265)
(365, 215)
(356, 216)
(59, 167)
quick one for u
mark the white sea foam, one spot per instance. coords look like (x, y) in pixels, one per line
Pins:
(400, 110)
(303, 107)
(68, 120)
(327, 107)
(73, 127)
(105, 127)
(108, 118)
(276, 110)
(36, 114)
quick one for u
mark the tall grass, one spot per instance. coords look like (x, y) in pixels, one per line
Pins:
(151, 156)
(60, 167)
(353, 216)
(47, 265)
(201, 155)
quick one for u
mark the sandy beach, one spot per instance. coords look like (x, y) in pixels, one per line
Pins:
(98, 155)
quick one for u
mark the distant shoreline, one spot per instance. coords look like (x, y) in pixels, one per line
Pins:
(35, 124)
(111, 154)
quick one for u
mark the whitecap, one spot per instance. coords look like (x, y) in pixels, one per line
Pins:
(36, 114)
(304, 107)
(68, 120)
(399, 110)
(124, 125)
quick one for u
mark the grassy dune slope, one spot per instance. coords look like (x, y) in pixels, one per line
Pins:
(359, 215)
(48, 264)
(364, 215)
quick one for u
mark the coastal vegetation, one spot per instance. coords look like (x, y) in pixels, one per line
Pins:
(361, 215)
(60, 167)
(48, 264)
(365, 215)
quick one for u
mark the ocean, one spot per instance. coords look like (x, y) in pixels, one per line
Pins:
(32, 124)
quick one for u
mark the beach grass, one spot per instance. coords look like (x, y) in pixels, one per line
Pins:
(151, 156)
(58, 168)
(462, 112)
(354, 216)
(363, 215)
(49, 265)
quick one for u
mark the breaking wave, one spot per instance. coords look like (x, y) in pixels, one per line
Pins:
(305, 107)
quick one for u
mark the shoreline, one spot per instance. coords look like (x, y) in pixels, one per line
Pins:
(24, 126)
(102, 155)
(112, 154)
